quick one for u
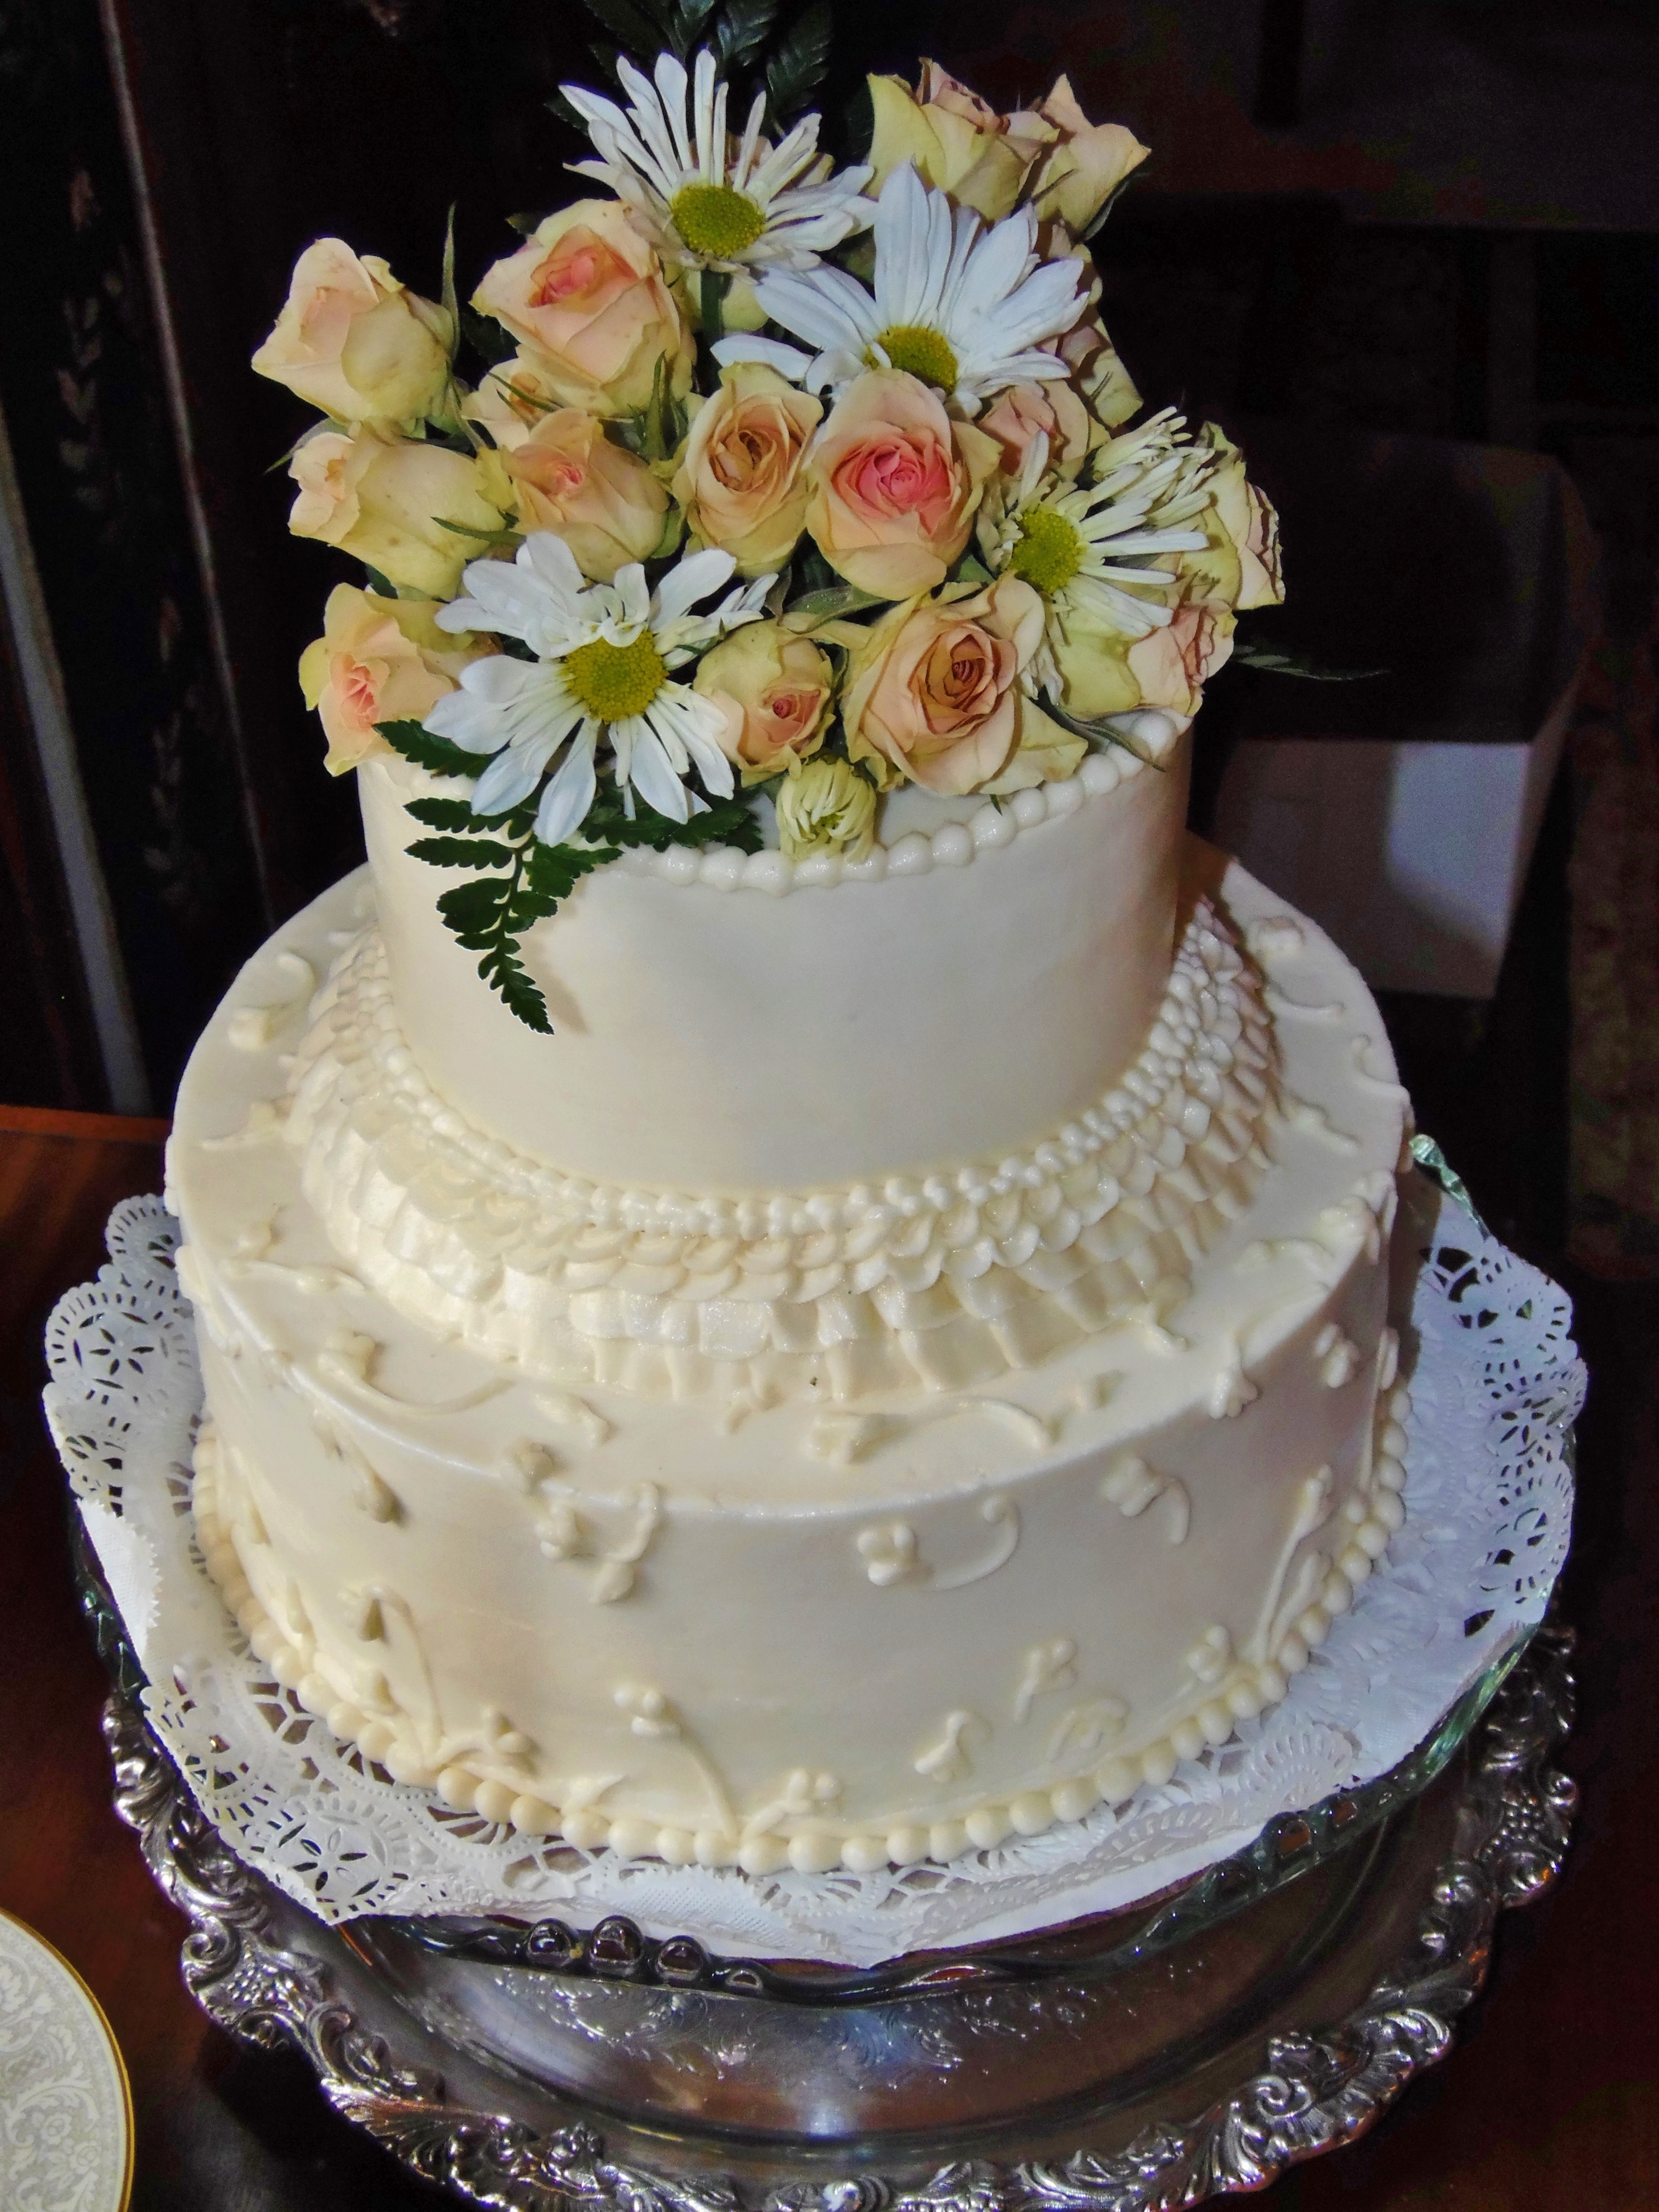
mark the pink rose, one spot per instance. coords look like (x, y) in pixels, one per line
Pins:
(564, 474)
(587, 295)
(1172, 666)
(933, 691)
(1018, 414)
(378, 660)
(894, 485)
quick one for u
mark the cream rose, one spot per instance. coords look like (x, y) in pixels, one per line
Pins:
(1085, 166)
(378, 660)
(1096, 678)
(894, 483)
(956, 141)
(827, 808)
(1017, 414)
(1172, 665)
(1243, 518)
(588, 297)
(741, 479)
(933, 690)
(381, 500)
(1098, 373)
(355, 342)
(564, 474)
(775, 692)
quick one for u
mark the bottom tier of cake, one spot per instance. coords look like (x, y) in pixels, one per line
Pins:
(808, 1632)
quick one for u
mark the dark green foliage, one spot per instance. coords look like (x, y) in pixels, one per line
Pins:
(1277, 661)
(437, 755)
(743, 35)
(517, 881)
(1098, 733)
(799, 67)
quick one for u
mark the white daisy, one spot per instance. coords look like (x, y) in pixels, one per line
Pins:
(604, 653)
(1091, 548)
(702, 199)
(963, 307)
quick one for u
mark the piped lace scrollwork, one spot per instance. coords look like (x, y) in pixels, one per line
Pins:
(943, 1281)
(1495, 1387)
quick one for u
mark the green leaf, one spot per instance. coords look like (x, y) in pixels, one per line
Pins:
(1278, 661)
(1113, 196)
(452, 306)
(740, 30)
(799, 67)
(487, 337)
(503, 970)
(374, 581)
(455, 814)
(461, 853)
(475, 911)
(436, 753)
(630, 26)
(832, 600)
(971, 569)
(514, 538)
(1098, 733)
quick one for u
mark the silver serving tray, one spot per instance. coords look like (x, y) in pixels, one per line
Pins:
(1266, 2035)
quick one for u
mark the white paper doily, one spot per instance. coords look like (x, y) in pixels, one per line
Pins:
(1496, 1385)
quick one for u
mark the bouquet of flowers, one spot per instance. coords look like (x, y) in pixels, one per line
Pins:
(775, 485)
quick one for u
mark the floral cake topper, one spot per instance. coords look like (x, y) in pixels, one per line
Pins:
(776, 484)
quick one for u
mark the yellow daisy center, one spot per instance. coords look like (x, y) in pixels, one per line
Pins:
(716, 221)
(615, 680)
(1049, 552)
(921, 352)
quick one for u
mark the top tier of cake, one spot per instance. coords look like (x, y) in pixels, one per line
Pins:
(732, 1025)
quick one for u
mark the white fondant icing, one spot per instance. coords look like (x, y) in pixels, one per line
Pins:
(707, 1038)
(757, 1625)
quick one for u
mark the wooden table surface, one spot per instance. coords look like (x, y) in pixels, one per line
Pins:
(1551, 2099)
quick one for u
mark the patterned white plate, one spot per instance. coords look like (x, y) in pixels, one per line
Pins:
(65, 2108)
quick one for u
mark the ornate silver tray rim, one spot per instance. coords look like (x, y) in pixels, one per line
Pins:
(1319, 2089)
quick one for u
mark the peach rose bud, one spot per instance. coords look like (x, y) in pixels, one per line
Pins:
(378, 660)
(895, 483)
(1081, 172)
(385, 502)
(355, 342)
(934, 691)
(587, 297)
(564, 474)
(775, 692)
(741, 478)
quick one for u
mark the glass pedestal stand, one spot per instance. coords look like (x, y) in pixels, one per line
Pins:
(1197, 2043)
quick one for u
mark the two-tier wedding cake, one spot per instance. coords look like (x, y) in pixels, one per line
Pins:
(793, 1275)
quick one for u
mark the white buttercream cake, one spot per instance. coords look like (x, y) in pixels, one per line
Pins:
(907, 1357)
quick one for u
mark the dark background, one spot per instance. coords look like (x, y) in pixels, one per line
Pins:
(1442, 258)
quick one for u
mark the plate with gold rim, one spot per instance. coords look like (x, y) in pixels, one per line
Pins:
(65, 2102)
